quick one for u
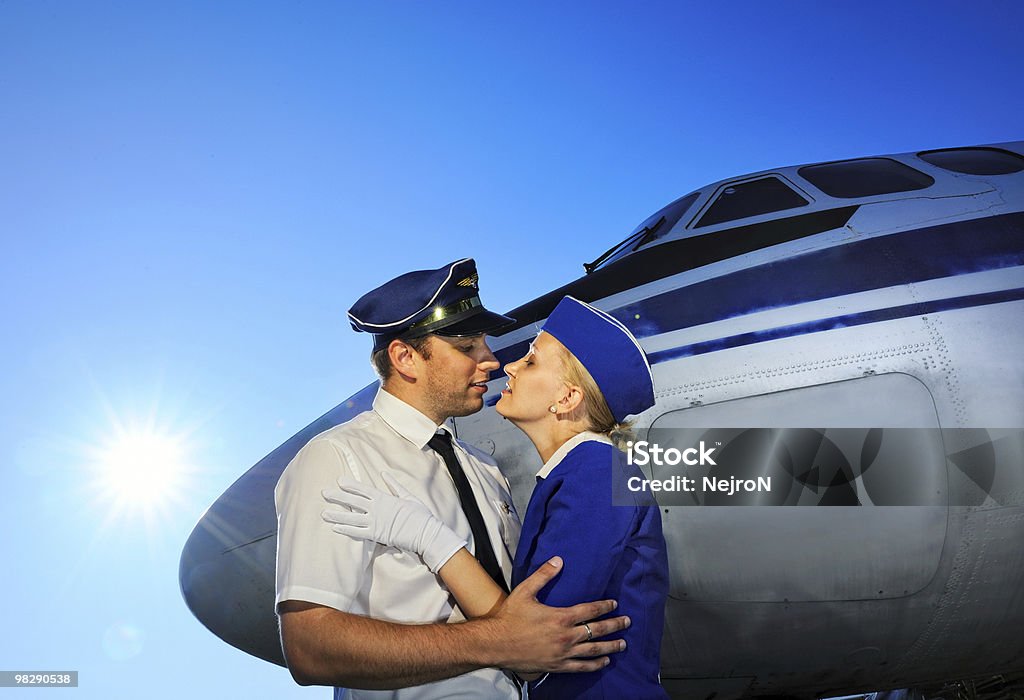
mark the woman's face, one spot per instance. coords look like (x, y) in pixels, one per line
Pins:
(534, 382)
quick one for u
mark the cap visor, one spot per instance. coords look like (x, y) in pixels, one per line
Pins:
(481, 322)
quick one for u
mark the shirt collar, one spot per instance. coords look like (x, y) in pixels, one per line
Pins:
(566, 448)
(404, 419)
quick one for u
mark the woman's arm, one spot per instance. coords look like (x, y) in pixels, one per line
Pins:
(473, 588)
(403, 521)
(475, 591)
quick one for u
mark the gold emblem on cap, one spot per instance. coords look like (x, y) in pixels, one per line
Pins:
(470, 281)
(440, 313)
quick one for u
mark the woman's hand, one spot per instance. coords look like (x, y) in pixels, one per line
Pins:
(400, 520)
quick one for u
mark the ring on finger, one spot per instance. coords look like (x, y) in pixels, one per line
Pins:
(590, 634)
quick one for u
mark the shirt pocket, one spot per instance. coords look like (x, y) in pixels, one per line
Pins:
(508, 523)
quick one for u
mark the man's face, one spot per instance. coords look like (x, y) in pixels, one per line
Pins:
(457, 374)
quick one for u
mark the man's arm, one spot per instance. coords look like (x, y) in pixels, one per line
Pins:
(324, 646)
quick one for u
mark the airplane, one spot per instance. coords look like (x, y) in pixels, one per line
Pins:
(852, 329)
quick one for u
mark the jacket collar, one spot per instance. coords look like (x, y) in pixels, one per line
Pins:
(566, 448)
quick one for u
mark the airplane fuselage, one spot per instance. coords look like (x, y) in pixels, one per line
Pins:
(851, 331)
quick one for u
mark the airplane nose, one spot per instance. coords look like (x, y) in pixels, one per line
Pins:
(226, 571)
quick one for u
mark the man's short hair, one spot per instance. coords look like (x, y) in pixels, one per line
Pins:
(381, 360)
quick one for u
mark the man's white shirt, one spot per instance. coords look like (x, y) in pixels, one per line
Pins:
(317, 565)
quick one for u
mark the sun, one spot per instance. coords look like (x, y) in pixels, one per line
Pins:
(141, 470)
(141, 467)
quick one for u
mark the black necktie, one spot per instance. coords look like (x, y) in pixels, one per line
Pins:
(441, 443)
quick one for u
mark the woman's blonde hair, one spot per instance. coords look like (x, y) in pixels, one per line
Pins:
(599, 416)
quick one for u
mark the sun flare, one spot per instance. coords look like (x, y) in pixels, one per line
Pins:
(141, 470)
(140, 467)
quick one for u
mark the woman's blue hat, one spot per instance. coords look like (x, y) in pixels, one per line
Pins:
(610, 353)
(445, 301)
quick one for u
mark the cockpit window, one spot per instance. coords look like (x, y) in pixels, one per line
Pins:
(650, 229)
(740, 200)
(975, 161)
(672, 213)
(865, 177)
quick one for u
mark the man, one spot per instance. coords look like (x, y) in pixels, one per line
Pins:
(355, 614)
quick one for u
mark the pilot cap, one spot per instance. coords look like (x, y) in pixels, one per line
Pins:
(610, 353)
(445, 301)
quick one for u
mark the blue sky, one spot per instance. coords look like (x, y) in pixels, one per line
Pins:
(192, 194)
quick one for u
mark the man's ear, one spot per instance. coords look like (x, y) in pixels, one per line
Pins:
(405, 360)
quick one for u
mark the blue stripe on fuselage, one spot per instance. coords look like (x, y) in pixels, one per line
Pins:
(874, 263)
(934, 252)
(844, 321)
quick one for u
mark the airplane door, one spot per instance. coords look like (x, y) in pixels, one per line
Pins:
(882, 536)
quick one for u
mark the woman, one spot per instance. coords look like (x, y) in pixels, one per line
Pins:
(571, 394)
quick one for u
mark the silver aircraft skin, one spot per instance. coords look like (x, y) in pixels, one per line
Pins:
(879, 294)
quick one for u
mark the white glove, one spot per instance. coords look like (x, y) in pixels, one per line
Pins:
(400, 521)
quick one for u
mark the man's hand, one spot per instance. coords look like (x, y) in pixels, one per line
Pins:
(324, 646)
(530, 637)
